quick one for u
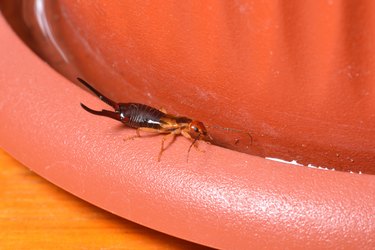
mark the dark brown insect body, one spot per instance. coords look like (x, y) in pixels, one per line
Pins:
(146, 118)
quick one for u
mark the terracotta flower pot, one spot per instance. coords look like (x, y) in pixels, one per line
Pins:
(299, 76)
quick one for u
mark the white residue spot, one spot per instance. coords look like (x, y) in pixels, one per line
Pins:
(321, 168)
(294, 162)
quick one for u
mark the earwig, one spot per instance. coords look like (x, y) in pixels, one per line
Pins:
(148, 119)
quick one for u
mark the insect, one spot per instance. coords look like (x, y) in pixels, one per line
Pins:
(149, 119)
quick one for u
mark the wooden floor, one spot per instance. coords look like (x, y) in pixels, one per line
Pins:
(35, 214)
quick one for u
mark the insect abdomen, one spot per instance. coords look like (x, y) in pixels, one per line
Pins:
(141, 115)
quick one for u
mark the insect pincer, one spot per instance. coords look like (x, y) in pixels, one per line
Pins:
(114, 115)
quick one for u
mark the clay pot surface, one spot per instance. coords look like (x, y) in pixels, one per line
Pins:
(299, 77)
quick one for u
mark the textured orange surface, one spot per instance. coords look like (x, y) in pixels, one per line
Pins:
(35, 214)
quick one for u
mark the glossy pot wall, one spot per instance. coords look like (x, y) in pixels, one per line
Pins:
(298, 76)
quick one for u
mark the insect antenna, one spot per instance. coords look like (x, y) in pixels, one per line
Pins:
(98, 94)
(234, 130)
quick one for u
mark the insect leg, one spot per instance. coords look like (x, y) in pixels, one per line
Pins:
(150, 130)
(162, 143)
(171, 134)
